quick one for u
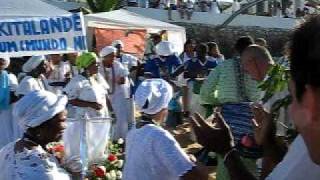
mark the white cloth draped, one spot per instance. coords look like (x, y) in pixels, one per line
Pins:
(98, 133)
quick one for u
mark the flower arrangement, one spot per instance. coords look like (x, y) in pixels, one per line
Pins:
(57, 149)
(111, 168)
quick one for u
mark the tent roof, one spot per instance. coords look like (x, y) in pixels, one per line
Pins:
(68, 6)
(124, 18)
(10, 9)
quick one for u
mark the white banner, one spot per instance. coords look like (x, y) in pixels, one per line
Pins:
(42, 35)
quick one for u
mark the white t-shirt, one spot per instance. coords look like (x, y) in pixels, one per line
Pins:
(296, 165)
(152, 153)
(94, 89)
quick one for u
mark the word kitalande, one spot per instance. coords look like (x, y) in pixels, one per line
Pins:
(42, 26)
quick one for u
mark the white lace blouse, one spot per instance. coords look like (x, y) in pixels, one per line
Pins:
(29, 165)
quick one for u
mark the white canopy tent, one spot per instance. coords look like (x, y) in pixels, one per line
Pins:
(10, 9)
(124, 19)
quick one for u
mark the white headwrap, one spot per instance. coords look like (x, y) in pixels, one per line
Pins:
(38, 107)
(117, 42)
(165, 48)
(6, 59)
(107, 50)
(32, 63)
(157, 92)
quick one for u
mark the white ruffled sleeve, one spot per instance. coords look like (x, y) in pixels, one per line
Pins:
(103, 83)
(171, 155)
(26, 85)
(73, 88)
(13, 82)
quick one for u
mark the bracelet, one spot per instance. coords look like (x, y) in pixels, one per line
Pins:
(228, 154)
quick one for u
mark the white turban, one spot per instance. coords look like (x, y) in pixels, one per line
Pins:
(6, 59)
(38, 107)
(33, 63)
(107, 50)
(153, 95)
(117, 42)
(165, 48)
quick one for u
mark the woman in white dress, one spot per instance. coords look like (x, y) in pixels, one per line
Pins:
(117, 76)
(35, 68)
(87, 93)
(151, 151)
(41, 115)
(8, 84)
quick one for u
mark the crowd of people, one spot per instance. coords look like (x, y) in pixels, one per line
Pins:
(186, 8)
(220, 97)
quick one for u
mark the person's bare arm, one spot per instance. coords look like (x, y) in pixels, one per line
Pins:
(81, 103)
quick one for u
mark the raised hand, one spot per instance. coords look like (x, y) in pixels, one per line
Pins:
(264, 127)
(216, 137)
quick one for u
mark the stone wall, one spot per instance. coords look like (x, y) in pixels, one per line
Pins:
(226, 37)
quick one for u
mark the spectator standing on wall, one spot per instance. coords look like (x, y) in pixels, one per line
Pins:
(235, 6)
(186, 7)
(203, 5)
(289, 12)
(171, 5)
(215, 9)
(132, 3)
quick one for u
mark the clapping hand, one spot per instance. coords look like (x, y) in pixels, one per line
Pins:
(216, 137)
(264, 128)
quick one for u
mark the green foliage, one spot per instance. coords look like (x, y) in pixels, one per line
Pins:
(277, 81)
(102, 5)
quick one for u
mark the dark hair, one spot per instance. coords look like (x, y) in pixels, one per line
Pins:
(304, 55)
(212, 45)
(202, 49)
(242, 43)
(156, 36)
(188, 42)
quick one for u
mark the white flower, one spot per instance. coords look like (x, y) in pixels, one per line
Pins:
(119, 163)
(120, 141)
(113, 175)
(108, 176)
(119, 175)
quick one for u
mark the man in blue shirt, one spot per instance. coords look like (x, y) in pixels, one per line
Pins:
(165, 65)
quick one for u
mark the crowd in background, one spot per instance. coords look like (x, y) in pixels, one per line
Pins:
(167, 89)
(186, 8)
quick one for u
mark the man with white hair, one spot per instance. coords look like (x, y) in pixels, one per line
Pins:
(117, 77)
(35, 68)
(127, 60)
(8, 85)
